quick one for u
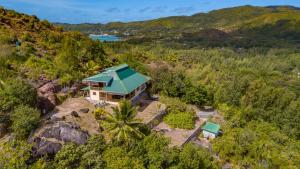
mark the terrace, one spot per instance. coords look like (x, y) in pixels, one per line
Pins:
(179, 137)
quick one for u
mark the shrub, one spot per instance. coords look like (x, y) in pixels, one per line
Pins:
(118, 158)
(197, 95)
(15, 92)
(99, 114)
(173, 104)
(68, 157)
(24, 119)
(61, 97)
(183, 120)
(194, 157)
(14, 154)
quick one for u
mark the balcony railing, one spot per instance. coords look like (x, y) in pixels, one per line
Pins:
(96, 88)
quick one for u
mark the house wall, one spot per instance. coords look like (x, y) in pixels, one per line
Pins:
(138, 91)
(97, 95)
(94, 95)
(207, 134)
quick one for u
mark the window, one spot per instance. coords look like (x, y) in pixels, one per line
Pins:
(94, 93)
(117, 96)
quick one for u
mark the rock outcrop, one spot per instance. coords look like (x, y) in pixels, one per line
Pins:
(51, 137)
(43, 147)
(47, 99)
(84, 110)
(74, 113)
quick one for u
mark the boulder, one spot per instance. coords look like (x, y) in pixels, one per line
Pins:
(84, 110)
(47, 99)
(65, 132)
(52, 136)
(74, 113)
(44, 147)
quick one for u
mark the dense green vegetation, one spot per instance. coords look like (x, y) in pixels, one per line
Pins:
(183, 120)
(25, 119)
(253, 82)
(179, 115)
(16, 97)
(257, 91)
(151, 152)
(174, 83)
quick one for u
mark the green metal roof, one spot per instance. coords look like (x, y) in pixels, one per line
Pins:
(120, 79)
(85, 88)
(211, 127)
(104, 78)
(116, 68)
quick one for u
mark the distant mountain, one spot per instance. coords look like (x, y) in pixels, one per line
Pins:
(249, 24)
(84, 27)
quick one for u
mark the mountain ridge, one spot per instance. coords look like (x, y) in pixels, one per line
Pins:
(276, 23)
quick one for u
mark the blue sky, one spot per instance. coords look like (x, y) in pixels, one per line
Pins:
(103, 11)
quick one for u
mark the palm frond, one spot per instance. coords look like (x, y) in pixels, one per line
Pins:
(123, 125)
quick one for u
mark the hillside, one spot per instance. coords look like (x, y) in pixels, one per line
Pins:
(245, 26)
(239, 61)
(27, 29)
(40, 49)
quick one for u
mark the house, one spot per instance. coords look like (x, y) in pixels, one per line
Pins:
(210, 130)
(115, 83)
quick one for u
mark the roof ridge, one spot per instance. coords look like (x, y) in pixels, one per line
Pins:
(117, 67)
(121, 82)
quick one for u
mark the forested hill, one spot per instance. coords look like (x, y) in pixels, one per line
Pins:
(33, 49)
(239, 26)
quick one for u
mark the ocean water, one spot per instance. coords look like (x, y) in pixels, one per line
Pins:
(106, 38)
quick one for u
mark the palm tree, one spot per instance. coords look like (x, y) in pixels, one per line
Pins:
(124, 127)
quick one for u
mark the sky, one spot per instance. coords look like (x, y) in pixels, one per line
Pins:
(103, 11)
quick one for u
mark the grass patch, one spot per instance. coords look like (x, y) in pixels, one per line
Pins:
(182, 120)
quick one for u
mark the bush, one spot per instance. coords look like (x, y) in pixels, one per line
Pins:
(195, 157)
(16, 92)
(62, 97)
(174, 104)
(99, 114)
(68, 157)
(183, 120)
(197, 95)
(24, 119)
(14, 154)
(118, 158)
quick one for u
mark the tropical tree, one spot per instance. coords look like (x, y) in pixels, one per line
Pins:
(123, 126)
(16, 92)
(24, 120)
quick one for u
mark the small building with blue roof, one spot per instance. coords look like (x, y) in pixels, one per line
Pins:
(115, 83)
